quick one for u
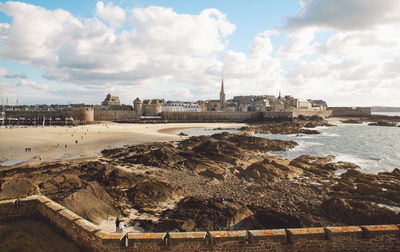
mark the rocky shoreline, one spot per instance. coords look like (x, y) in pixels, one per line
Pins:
(219, 182)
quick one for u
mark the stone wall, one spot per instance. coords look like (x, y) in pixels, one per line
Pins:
(88, 236)
(320, 113)
(114, 115)
(349, 111)
(212, 116)
(80, 115)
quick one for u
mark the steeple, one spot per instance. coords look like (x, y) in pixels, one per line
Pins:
(222, 93)
(279, 97)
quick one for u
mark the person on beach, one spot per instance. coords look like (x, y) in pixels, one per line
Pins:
(121, 226)
(117, 221)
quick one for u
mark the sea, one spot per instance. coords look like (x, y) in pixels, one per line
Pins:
(373, 148)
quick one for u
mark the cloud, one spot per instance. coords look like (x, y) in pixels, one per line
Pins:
(156, 52)
(344, 15)
(11, 76)
(3, 72)
(160, 45)
(114, 15)
(32, 84)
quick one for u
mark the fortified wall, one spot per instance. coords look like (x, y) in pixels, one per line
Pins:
(320, 113)
(88, 236)
(79, 115)
(212, 116)
(115, 113)
(349, 111)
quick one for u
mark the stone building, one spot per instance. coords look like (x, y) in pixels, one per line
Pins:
(137, 106)
(171, 106)
(304, 105)
(111, 100)
(152, 107)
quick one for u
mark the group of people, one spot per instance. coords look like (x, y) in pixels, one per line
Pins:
(119, 225)
(28, 149)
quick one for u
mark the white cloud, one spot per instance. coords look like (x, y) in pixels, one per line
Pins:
(161, 45)
(3, 72)
(156, 51)
(31, 84)
(114, 15)
(345, 14)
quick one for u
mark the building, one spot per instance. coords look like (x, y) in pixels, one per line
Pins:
(111, 100)
(277, 106)
(180, 107)
(303, 105)
(137, 106)
(152, 107)
(318, 104)
(222, 93)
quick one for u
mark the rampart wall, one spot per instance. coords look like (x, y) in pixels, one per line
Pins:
(114, 115)
(79, 115)
(211, 116)
(320, 113)
(87, 235)
(349, 111)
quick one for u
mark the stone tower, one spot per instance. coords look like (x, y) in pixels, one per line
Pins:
(222, 93)
(137, 106)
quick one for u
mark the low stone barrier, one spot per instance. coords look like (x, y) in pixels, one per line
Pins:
(90, 237)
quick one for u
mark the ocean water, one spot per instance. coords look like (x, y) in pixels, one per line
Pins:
(386, 113)
(373, 148)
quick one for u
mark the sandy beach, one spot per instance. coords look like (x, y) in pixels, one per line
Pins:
(54, 143)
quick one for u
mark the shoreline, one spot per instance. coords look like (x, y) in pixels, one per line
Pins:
(58, 143)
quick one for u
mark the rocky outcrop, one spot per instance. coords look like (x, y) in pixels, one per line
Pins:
(18, 188)
(149, 193)
(352, 121)
(203, 214)
(218, 182)
(383, 123)
(270, 170)
(354, 212)
(92, 203)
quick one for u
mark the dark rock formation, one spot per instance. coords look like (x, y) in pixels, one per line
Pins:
(383, 123)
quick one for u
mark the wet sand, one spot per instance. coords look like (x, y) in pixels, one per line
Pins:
(48, 143)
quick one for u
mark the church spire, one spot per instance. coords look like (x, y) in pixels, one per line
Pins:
(222, 93)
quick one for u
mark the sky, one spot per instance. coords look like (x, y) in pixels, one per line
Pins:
(346, 52)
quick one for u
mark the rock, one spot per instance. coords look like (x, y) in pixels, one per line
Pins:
(352, 121)
(269, 170)
(367, 189)
(270, 219)
(383, 123)
(343, 187)
(19, 188)
(353, 212)
(92, 203)
(149, 193)
(192, 214)
(392, 195)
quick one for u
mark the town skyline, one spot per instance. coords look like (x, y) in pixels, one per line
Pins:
(58, 53)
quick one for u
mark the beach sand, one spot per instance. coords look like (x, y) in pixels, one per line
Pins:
(48, 143)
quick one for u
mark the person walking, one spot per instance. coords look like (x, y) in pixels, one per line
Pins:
(121, 226)
(117, 221)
